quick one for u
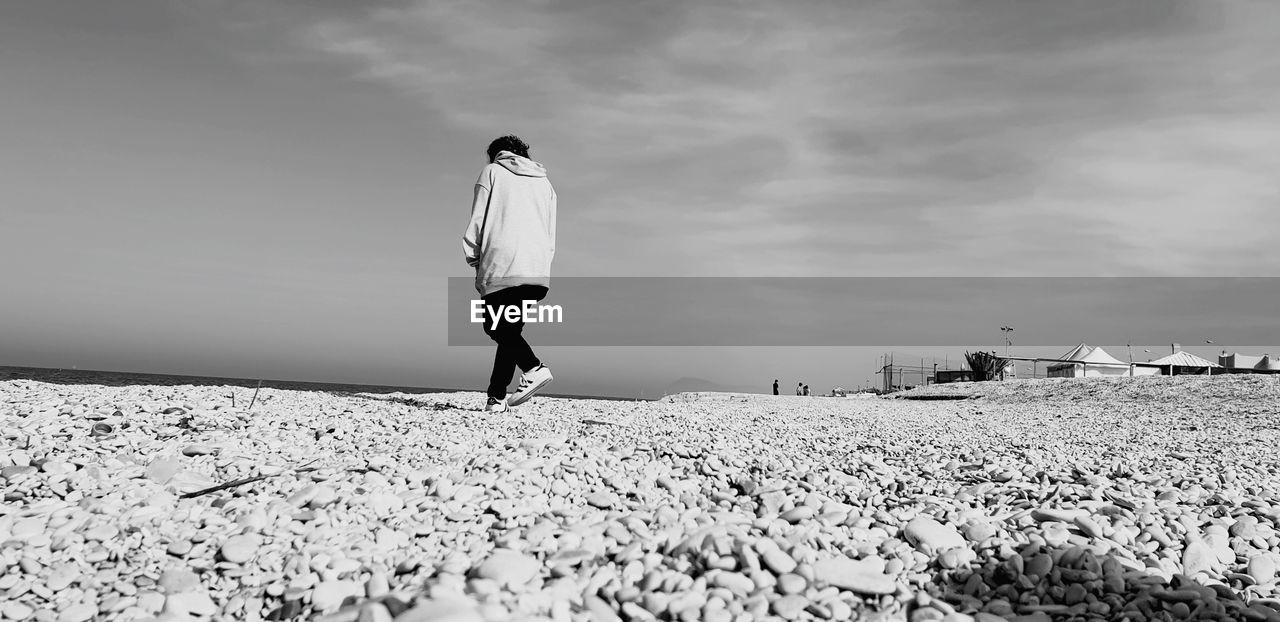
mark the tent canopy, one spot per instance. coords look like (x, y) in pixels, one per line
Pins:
(1103, 364)
(1077, 353)
(1098, 355)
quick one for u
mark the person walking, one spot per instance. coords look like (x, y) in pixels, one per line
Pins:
(775, 386)
(806, 389)
(510, 242)
(799, 388)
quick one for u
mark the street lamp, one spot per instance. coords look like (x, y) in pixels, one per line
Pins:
(1007, 342)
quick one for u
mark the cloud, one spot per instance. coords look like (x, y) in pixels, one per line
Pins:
(822, 137)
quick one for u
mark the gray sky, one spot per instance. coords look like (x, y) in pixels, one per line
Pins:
(278, 188)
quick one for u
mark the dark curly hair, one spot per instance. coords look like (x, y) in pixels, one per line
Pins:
(511, 143)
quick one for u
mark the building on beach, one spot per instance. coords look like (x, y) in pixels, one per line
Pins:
(944, 376)
(1177, 364)
(1237, 363)
(1085, 361)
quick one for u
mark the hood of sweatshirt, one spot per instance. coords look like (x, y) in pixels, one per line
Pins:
(520, 165)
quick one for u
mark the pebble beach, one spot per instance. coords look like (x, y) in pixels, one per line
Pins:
(1026, 501)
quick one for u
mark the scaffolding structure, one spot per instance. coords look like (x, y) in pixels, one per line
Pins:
(898, 377)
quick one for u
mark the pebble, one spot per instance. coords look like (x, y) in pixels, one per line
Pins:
(739, 584)
(329, 595)
(791, 584)
(508, 568)
(198, 450)
(14, 472)
(798, 514)
(61, 578)
(1056, 515)
(178, 580)
(27, 528)
(374, 612)
(195, 603)
(322, 497)
(303, 496)
(1246, 527)
(376, 586)
(151, 602)
(14, 610)
(983, 616)
(774, 558)
(599, 611)
(55, 467)
(789, 607)
(1039, 565)
(385, 503)
(163, 469)
(930, 536)
(956, 558)
(179, 548)
(1197, 557)
(860, 576)
(101, 532)
(239, 549)
(1089, 526)
(81, 612)
(1262, 568)
(446, 609)
(979, 530)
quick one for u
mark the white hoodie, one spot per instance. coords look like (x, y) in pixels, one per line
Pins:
(512, 235)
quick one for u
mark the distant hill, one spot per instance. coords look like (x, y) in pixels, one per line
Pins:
(691, 385)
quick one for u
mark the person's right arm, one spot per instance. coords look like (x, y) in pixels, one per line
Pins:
(473, 237)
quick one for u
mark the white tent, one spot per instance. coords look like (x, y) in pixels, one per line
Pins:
(1092, 362)
(1064, 370)
(1177, 359)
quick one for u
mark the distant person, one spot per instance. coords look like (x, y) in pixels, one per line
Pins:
(775, 386)
(511, 241)
(806, 389)
(800, 388)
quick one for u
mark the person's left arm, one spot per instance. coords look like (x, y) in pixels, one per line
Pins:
(551, 225)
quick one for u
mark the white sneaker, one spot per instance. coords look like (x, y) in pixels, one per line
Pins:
(496, 405)
(531, 383)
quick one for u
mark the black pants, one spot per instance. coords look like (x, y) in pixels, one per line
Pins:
(513, 350)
